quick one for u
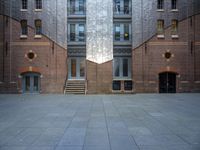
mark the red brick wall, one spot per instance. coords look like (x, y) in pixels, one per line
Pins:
(50, 61)
(148, 60)
(99, 77)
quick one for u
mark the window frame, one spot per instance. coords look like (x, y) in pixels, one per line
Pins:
(24, 27)
(38, 29)
(174, 3)
(174, 28)
(79, 36)
(38, 5)
(160, 4)
(120, 7)
(121, 35)
(121, 68)
(24, 3)
(160, 23)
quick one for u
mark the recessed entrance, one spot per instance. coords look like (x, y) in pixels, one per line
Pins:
(76, 68)
(31, 83)
(167, 82)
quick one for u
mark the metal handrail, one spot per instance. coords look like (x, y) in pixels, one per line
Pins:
(76, 10)
(76, 38)
(122, 10)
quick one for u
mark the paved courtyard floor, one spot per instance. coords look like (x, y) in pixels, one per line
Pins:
(100, 122)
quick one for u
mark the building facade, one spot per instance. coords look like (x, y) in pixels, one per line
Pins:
(95, 46)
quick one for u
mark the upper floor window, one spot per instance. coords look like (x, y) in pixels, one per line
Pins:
(122, 32)
(24, 27)
(160, 27)
(174, 28)
(76, 32)
(122, 7)
(122, 67)
(38, 4)
(174, 4)
(24, 4)
(38, 27)
(76, 7)
(160, 4)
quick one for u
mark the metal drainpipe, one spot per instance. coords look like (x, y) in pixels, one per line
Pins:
(3, 60)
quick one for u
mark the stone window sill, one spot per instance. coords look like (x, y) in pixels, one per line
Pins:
(23, 36)
(38, 36)
(160, 10)
(38, 10)
(175, 36)
(24, 10)
(161, 36)
(174, 10)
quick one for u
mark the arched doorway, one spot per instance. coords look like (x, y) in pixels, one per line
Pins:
(31, 82)
(167, 82)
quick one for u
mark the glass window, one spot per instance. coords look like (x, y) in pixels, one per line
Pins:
(24, 27)
(174, 27)
(125, 67)
(38, 27)
(122, 32)
(160, 4)
(160, 26)
(116, 85)
(116, 67)
(128, 85)
(81, 32)
(117, 6)
(36, 83)
(82, 68)
(122, 7)
(122, 67)
(174, 2)
(24, 4)
(38, 4)
(27, 83)
(117, 32)
(76, 7)
(76, 32)
(126, 6)
(126, 31)
(72, 7)
(81, 6)
(72, 32)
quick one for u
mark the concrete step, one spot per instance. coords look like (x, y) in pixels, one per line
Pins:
(74, 87)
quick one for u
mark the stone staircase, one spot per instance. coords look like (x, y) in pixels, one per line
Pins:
(74, 87)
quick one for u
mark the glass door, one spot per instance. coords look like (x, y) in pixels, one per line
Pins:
(76, 68)
(31, 83)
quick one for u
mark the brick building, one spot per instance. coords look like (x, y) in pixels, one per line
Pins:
(93, 46)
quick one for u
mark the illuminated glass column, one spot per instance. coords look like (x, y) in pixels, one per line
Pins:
(99, 24)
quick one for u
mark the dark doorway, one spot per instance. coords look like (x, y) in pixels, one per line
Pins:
(167, 82)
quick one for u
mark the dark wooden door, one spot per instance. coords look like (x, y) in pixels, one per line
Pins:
(167, 82)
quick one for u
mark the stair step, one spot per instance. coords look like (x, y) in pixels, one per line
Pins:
(75, 87)
(75, 90)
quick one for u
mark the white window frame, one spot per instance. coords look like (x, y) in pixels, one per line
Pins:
(22, 4)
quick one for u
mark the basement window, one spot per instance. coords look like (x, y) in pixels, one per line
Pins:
(116, 85)
(128, 85)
